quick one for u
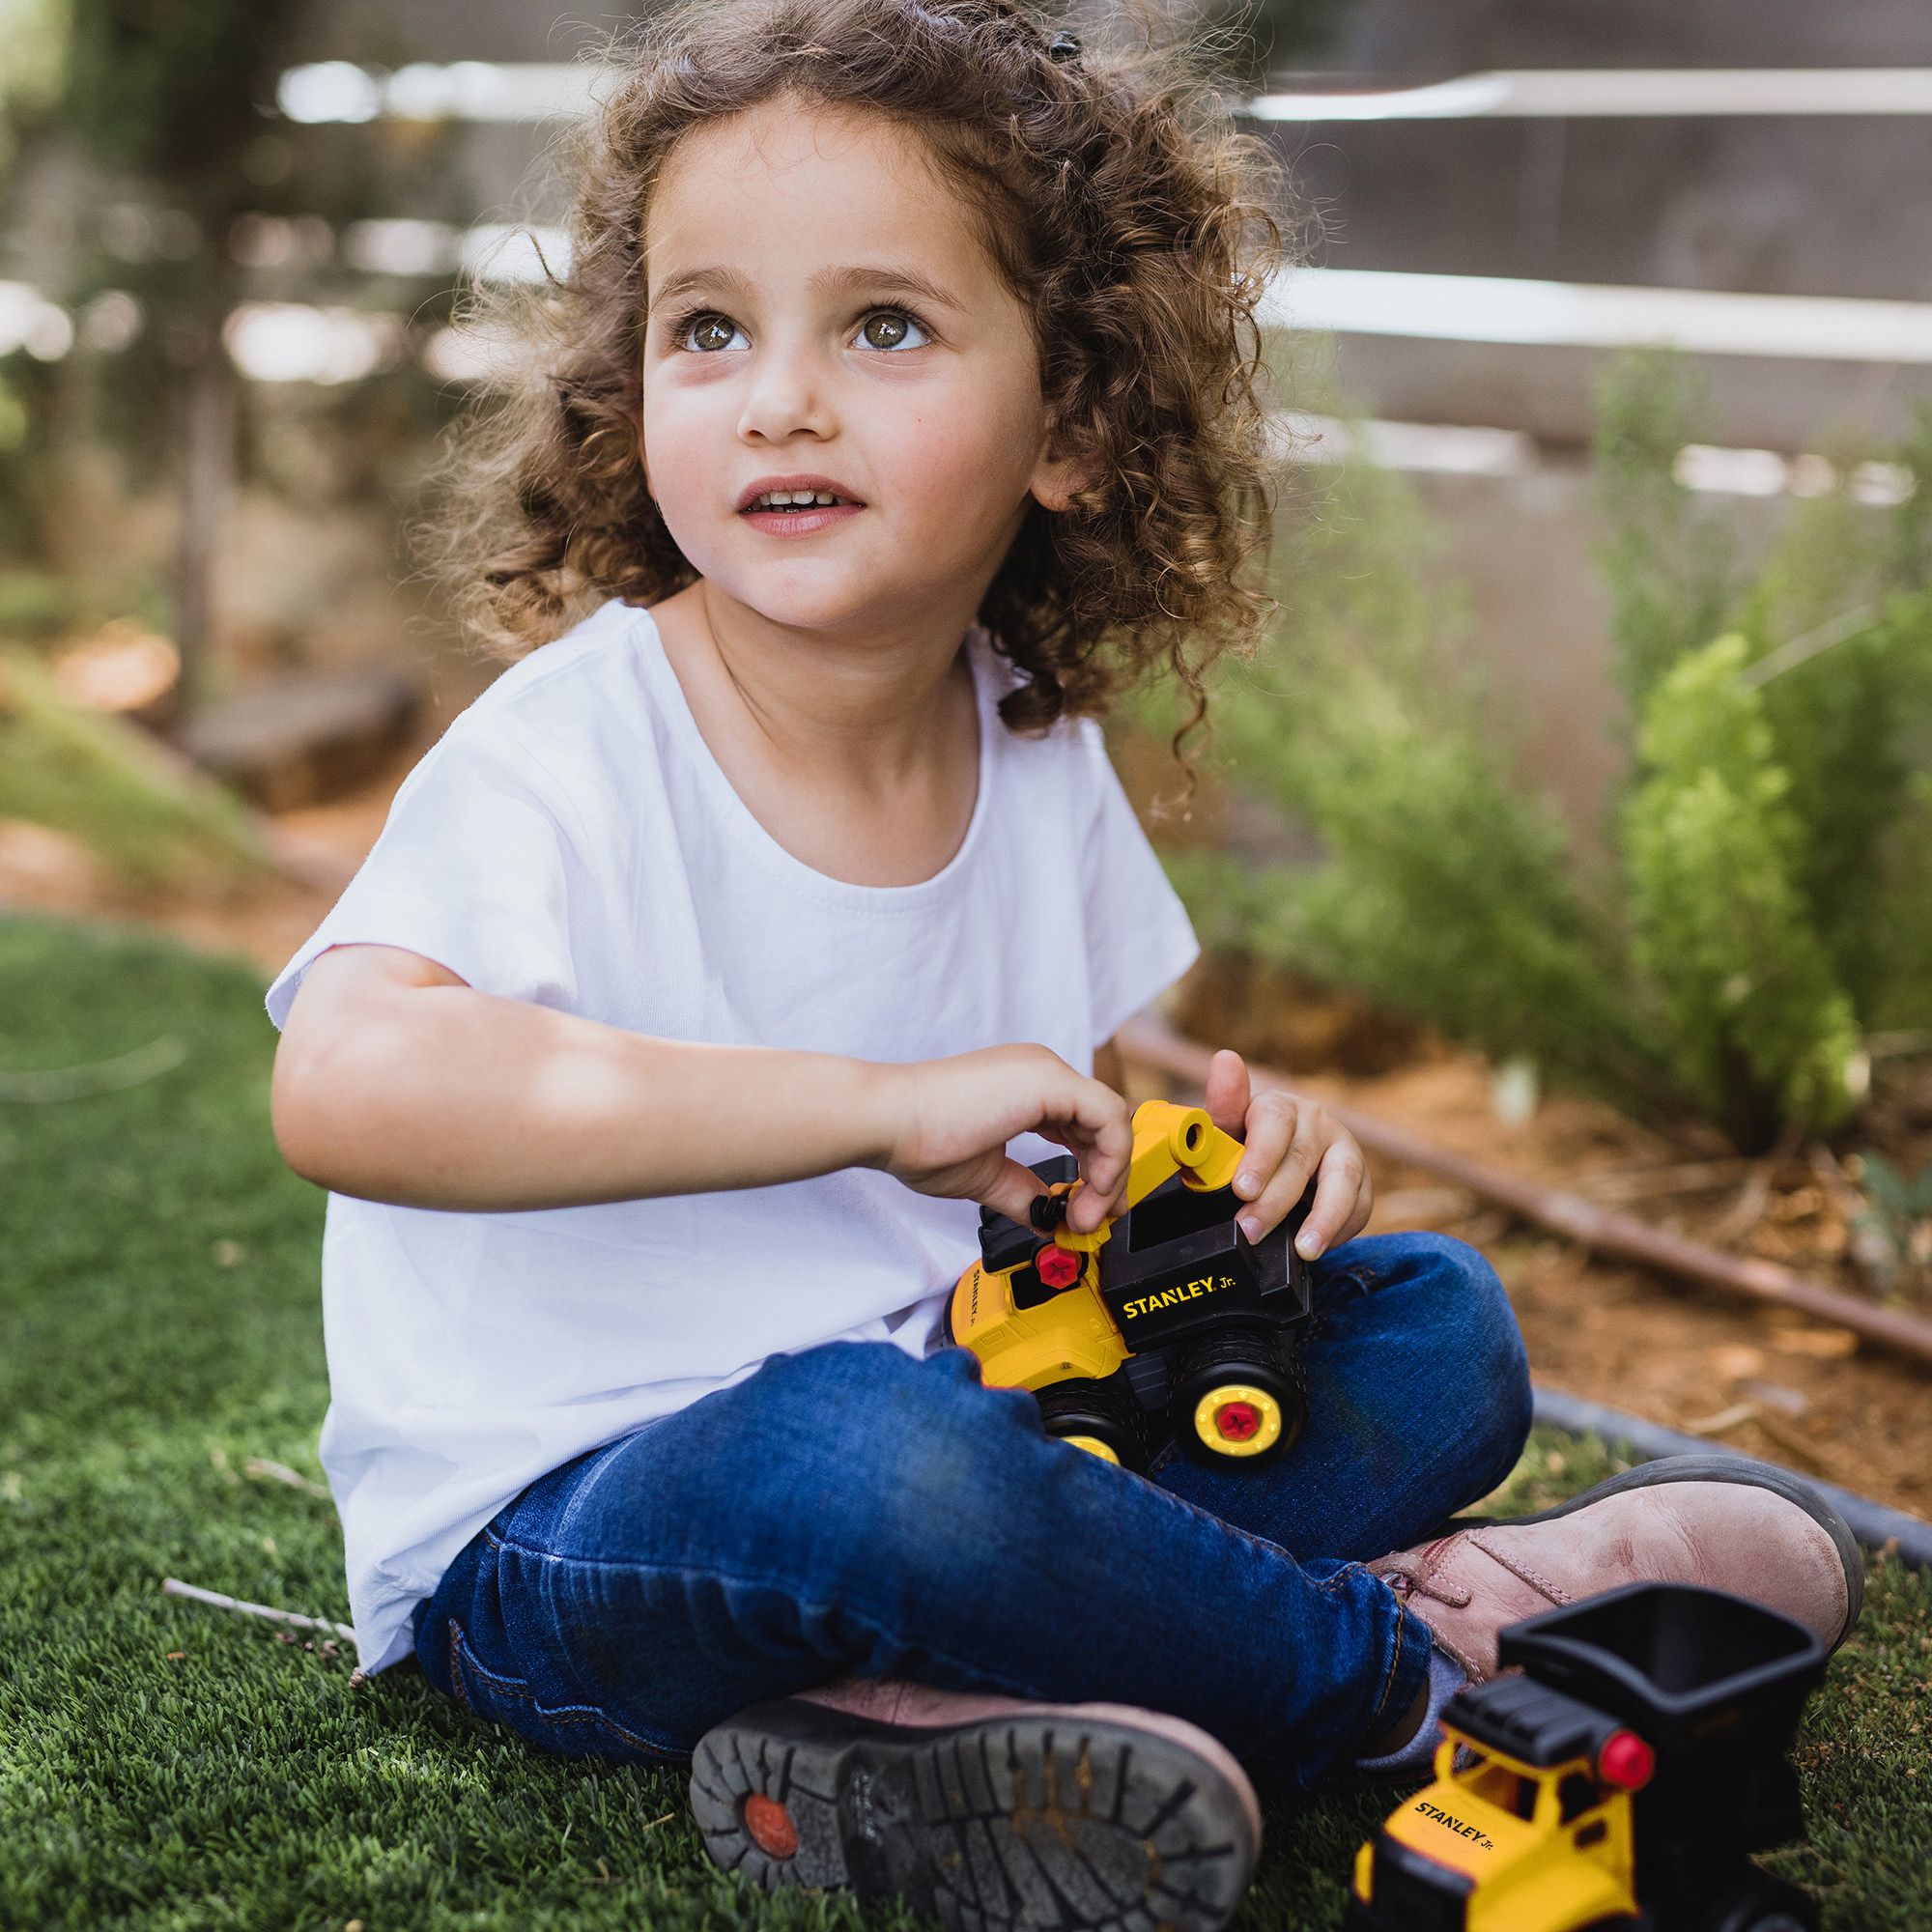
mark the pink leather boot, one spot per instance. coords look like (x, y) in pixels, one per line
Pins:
(1726, 1522)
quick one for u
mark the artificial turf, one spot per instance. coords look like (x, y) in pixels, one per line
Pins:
(164, 1765)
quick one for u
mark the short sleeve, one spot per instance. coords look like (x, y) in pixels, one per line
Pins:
(1139, 938)
(472, 869)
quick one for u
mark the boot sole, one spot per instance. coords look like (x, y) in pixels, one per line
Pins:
(1744, 1470)
(1043, 1821)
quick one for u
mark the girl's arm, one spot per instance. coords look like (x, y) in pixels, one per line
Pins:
(397, 1081)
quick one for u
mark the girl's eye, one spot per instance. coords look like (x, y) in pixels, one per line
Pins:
(894, 317)
(696, 321)
(706, 320)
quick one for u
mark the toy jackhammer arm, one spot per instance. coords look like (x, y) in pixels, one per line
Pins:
(1168, 1140)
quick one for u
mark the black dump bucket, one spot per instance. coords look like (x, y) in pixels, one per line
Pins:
(1700, 1674)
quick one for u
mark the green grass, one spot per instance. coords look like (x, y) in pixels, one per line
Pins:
(159, 1325)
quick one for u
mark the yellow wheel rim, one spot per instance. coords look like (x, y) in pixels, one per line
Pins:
(1251, 1424)
(1093, 1447)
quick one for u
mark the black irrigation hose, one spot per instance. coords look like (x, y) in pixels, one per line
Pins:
(1907, 1537)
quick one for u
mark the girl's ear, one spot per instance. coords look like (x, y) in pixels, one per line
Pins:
(1056, 478)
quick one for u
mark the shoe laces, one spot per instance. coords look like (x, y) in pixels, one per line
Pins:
(1413, 1573)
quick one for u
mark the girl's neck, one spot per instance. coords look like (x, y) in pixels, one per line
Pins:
(864, 720)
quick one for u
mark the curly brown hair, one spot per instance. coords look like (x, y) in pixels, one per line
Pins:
(1110, 192)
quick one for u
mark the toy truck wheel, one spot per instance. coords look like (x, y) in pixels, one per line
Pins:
(1240, 1393)
(1103, 1418)
(1766, 1905)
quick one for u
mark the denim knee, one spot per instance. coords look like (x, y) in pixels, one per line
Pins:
(1479, 1344)
(871, 1462)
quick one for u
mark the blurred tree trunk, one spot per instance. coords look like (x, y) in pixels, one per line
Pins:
(165, 101)
(203, 479)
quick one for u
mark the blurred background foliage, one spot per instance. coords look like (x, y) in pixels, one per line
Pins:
(140, 163)
(1760, 898)
(141, 168)
(106, 783)
(1752, 909)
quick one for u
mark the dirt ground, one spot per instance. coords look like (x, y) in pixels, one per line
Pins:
(1761, 1379)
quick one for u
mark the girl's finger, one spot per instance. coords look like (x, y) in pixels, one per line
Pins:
(1260, 1179)
(1093, 1186)
(1010, 1191)
(1290, 1184)
(1105, 1136)
(1099, 1201)
(1337, 1190)
(1225, 1093)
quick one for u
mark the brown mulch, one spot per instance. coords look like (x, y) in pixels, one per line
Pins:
(1765, 1381)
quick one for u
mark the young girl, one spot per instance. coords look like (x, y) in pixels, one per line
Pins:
(765, 918)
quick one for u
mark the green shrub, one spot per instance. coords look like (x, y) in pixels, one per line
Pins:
(1758, 1024)
(1759, 896)
(1668, 560)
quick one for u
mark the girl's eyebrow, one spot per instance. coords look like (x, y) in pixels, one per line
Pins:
(908, 281)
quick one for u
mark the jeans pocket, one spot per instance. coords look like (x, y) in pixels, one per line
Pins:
(568, 1730)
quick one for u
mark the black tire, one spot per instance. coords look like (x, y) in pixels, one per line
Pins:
(1765, 1905)
(1253, 1355)
(1104, 1411)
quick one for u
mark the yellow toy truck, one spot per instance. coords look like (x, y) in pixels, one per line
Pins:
(1164, 1321)
(1622, 1776)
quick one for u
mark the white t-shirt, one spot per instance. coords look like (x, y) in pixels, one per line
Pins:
(571, 840)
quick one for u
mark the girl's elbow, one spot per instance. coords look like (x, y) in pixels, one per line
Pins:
(301, 1117)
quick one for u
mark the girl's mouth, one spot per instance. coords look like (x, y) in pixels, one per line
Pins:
(801, 521)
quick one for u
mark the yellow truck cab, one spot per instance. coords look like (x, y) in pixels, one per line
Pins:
(1527, 1823)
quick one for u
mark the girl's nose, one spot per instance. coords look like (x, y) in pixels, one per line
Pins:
(786, 391)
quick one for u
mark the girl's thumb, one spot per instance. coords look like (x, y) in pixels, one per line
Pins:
(1012, 1190)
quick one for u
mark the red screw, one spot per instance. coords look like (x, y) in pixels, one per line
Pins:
(1237, 1421)
(1058, 1266)
(1626, 1761)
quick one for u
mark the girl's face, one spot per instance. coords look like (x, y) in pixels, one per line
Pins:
(816, 303)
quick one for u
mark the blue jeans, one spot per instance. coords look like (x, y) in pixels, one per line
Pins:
(850, 1509)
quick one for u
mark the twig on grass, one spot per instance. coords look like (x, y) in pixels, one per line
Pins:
(21, 1086)
(1794, 1445)
(1642, 1184)
(173, 1587)
(264, 1470)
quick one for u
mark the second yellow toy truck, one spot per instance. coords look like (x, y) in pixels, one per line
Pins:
(1622, 1776)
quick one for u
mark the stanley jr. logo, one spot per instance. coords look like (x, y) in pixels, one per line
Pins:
(1188, 1290)
(1455, 1825)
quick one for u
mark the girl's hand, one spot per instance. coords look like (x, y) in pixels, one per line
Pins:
(1289, 1137)
(947, 1122)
